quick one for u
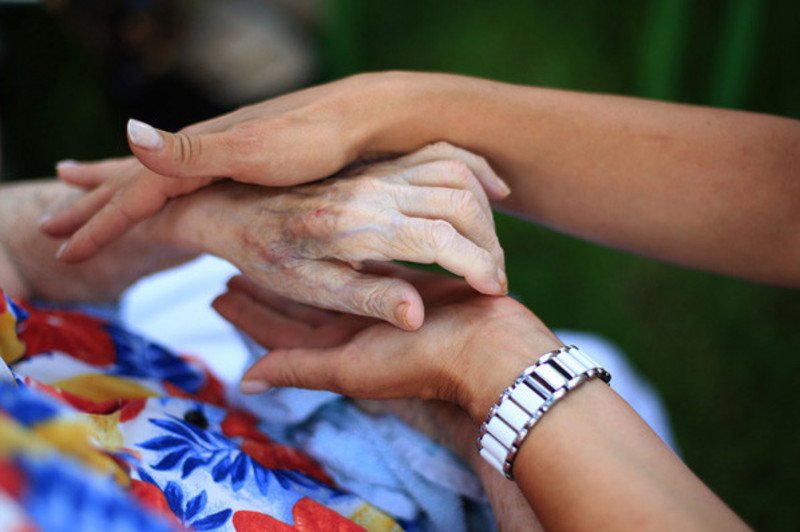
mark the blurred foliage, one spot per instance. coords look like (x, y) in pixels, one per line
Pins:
(722, 352)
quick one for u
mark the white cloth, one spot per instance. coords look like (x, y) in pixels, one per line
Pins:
(174, 309)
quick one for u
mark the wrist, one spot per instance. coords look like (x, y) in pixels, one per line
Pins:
(409, 110)
(534, 393)
(501, 351)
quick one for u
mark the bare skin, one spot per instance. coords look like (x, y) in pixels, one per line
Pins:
(591, 463)
(706, 188)
(308, 243)
(27, 265)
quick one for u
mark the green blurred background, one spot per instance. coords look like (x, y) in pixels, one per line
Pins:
(723, 353)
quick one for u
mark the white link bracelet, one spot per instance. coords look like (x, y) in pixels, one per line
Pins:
(534, 392)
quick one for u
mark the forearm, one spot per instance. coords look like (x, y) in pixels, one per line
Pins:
(592, 462)
(29, 269)
(706, 188)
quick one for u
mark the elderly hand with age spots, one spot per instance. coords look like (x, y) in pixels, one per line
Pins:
(310, 242)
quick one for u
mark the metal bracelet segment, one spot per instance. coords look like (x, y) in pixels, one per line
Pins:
(534, 392)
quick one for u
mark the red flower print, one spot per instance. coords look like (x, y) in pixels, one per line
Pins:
(152, 497)
(82, 337)
(309, 516)
(246, 521)
(263, 450)
(11, 480)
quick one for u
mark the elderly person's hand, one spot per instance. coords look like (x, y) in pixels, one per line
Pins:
(297, 138)
(309, 242)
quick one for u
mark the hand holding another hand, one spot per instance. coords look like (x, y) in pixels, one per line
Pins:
(297, 138)
(469, 349)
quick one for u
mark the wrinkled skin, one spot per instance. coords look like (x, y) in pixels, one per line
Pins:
(310, 242)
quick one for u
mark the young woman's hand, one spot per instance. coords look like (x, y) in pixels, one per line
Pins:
(467, 352)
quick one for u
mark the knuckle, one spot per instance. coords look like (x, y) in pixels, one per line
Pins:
(342, 374)
(376, 299)
(439, 234)
(459, 172)
(481, 161)
(459, 168)
(359, 247)
(288, 375)
(365, 300)
(188, 148)
(341, 380)
(464, 202)
(441, 147)
(322, 221)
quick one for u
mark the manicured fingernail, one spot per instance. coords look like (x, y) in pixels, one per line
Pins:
(503, 186)
(61, 250)
(144, 135)
(66, 163)
(253, 387)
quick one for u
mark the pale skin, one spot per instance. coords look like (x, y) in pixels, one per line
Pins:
(706, 188)
(310, 242)
(591, 463)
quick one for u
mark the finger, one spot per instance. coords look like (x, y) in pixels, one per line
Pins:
(495, 187)
(460, 207)
(425, 242)
(435, 288)
(312, 369)
(66, 221)
(338, 369)
(92, 174)
(207, 154)
(336, 286)
(115, 217)
(313, 316)
(445, 246)
(270, 327)
(447, 173)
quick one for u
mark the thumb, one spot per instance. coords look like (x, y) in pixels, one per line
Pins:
(183, 154)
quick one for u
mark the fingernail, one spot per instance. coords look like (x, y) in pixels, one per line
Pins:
(66, 163)
(44, 219)
(502, 279)
(253, 387)
(402, 314)
(503, 186)
(144, 135)
(61, 250)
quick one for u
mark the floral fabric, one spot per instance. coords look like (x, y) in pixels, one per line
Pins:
(103, 430)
